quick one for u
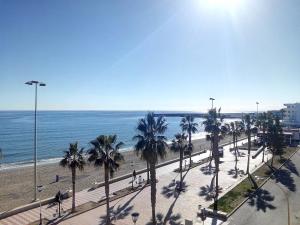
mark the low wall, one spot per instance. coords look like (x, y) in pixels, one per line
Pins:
(31, 206)
(214, 214)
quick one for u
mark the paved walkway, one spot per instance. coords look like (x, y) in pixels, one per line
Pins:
(174, 209)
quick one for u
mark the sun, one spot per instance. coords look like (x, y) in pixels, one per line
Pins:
(226, 5)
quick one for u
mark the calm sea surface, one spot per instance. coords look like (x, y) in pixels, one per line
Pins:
(56, 129)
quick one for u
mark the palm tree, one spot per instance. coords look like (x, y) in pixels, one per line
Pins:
(216, 130)
(188, 126)
(151, 145)
(73, 159)
(105, 152)
(179, 145)
(249, 128)
(235, 130)
(275, 137)
(262, 123)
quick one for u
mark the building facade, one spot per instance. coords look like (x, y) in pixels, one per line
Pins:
(291, 116)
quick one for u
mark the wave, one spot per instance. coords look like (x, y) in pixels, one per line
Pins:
(17, 165)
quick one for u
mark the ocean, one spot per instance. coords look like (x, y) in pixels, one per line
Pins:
(56, 129)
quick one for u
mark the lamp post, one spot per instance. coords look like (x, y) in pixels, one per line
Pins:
(58, 199)
(36, 83)
(40, 189)
(203, 215)
(135, 217)
(212, 102)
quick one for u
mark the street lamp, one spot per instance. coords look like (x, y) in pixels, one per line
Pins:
(40, 188)
(135, 217)
(212, 102)
(36, 83)
(203, 215)
(58, 199)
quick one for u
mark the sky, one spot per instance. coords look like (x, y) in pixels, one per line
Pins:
(150, 54)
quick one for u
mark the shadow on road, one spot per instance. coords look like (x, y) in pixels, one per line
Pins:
(261, 199)
(291, 166)
(284, 177)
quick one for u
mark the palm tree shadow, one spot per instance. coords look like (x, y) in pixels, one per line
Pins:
(120, 212)
(291, 166)
(261, 199)
(236, 172)
(169, 191)
(173, 220)
(207, 170)
(172, 189)
(206, 191)
(284, 177)
(209, 190)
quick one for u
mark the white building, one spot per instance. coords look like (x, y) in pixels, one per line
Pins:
(291, 116)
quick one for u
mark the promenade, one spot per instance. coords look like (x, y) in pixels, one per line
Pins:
(172, 208)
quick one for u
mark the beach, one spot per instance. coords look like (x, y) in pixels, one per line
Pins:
(16, 185)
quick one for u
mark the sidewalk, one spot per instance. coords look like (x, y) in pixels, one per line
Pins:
(197, 181)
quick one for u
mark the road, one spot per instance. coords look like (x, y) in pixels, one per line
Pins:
(278, 202)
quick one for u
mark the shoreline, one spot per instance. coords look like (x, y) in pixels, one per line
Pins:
(16, 184)
(45, 162)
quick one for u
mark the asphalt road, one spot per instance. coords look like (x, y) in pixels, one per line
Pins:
(277, 203)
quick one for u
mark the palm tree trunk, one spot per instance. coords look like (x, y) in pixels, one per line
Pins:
(106, 179)
(180, 167)
(190, 148)
(148, 173)
(211, 153)
(272, 159)
(153, 191)
(73, 188)
(264, 145)
(216, 156)
(249, 149)
(235, 148)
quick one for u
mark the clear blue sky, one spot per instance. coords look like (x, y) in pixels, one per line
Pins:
(150, 54)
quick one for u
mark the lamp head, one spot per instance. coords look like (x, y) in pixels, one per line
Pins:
(29, 83)
(135, 216)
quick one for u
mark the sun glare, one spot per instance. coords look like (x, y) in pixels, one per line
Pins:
(227, 5)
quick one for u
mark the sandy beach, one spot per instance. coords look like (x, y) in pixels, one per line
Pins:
(16, 184)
